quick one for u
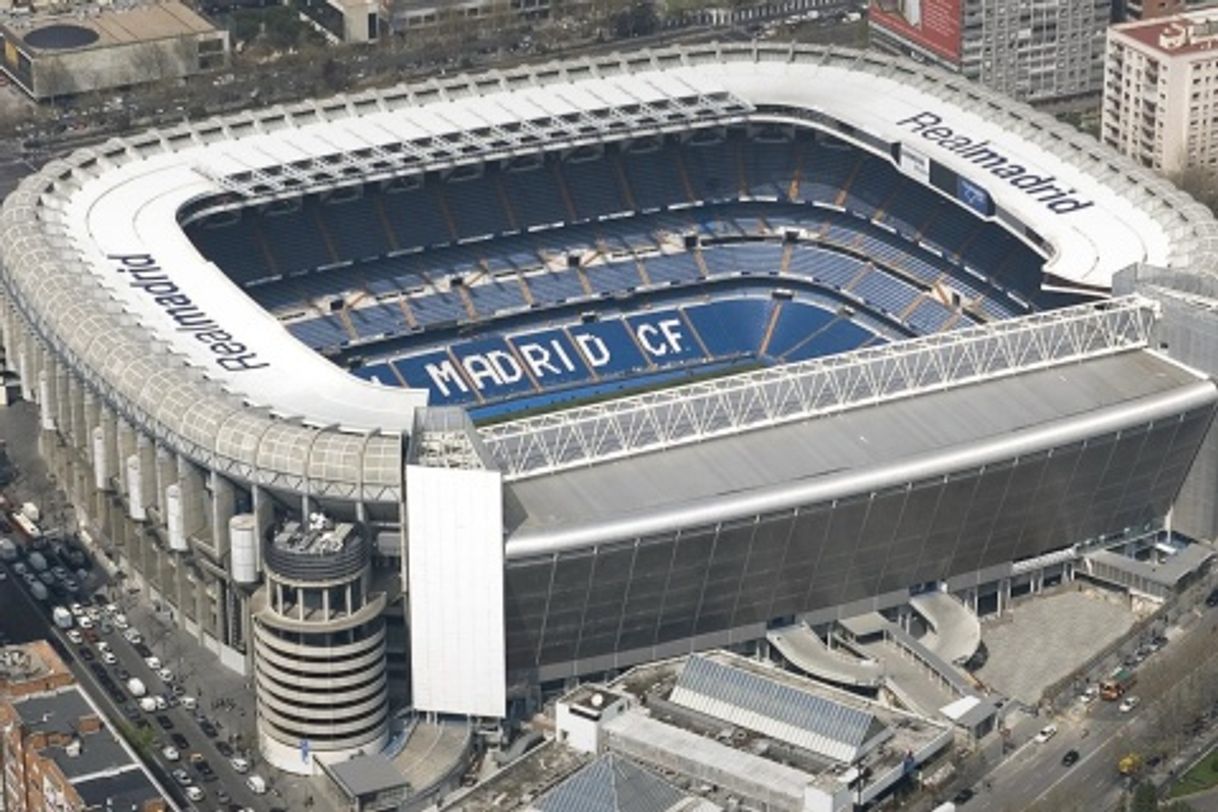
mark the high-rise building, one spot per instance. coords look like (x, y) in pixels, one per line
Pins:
(1043, 51)
(1160, 90)
(1126, 10)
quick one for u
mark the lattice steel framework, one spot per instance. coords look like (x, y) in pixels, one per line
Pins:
(689, 414)
(465, 145)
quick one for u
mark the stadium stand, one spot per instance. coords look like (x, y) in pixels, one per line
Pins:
(599, 229)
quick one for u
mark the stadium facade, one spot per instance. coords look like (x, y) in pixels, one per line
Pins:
(440, 394)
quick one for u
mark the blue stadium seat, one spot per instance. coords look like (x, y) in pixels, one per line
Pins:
(732, 327)
(671, 268)
(797, 323)
(535, 196)
(295, 241)
(415, 218)
(234, 248)
(355, 228)
(654, 180)
(476, 208)
(594, 188)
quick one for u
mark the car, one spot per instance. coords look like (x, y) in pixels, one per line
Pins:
(121, 622)
(182, 777)
(85, 622)
(109, 658)
(122, 673)
(165, 674)
(240, 764)
(131, 712)
(222, 796)
(963, 796)
(47, 578)
(86, 654)
(1211, 600)
(153, 662)
(103, 647)
(20, 569)
(141, 648)
(208, 729)
(75, 637)
(171, 753)
(224, 748)
(190, 703)
(110, 609)
(195, 793)
(179, 741)
(99, 671)
(76, 609)
(59, 572)
(164, 721)
(1128, 704)
(132, 636)
(161, 703)
(1047, 732)
(1070, 758)
(1090, 695)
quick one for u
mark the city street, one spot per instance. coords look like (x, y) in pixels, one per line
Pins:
(29, 621)
(1035, 775)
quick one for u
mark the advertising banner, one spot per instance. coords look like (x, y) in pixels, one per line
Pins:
(931, 24)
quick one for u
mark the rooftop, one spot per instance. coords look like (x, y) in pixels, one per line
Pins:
(99, 752)
(366, 775)
(763, 711)
(1193, 32)
(319, 536)
(613, 784)
(29, 661)
(117, 792)
(108, 27)
(58, 712)
(821, 458)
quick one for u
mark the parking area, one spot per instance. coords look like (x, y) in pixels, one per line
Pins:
(1042, 639)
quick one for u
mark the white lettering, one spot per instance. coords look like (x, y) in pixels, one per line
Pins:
(505, 365)
(442, 375)
(479, 369)
(594, 349)
(538, 359)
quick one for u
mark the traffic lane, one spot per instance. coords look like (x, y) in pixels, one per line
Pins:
(1026, 772)
(184, 722)
(41, 624)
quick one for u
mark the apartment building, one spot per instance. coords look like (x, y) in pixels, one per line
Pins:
(1161, 91)
(57, 754)
(1038, 51)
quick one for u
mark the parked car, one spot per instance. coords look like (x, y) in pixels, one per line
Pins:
(182, 777)
(1211, 600)
(1129, 703)
(171, 753)
(164, 721)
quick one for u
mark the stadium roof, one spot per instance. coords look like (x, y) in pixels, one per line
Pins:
(84, 241)
(835, 455)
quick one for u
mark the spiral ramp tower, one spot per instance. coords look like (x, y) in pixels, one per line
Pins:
(319, 647)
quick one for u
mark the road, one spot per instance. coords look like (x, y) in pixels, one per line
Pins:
(1034, 774)
(26, 619)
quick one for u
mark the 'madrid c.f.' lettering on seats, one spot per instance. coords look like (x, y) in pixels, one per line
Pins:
(1059, 199)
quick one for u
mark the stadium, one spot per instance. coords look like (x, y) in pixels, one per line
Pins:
(447, 395)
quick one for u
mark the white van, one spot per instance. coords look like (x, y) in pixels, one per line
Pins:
(256, 784)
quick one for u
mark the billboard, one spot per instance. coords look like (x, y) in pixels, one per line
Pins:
(930, 24)
(973, 196)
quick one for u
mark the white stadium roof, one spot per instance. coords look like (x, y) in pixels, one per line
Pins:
(75, 235)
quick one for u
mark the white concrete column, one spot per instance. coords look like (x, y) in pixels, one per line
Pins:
(223, 507)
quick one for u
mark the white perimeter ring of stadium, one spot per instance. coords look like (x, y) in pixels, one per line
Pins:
(106, 296)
